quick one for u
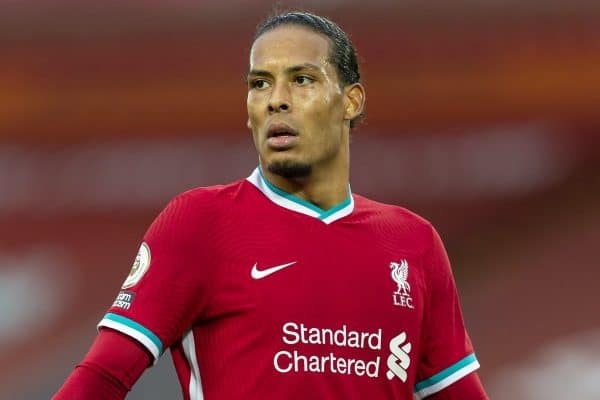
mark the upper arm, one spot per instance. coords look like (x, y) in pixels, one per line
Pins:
(447, 353)
(164, 293)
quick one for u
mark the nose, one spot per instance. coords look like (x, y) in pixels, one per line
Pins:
(280, 98)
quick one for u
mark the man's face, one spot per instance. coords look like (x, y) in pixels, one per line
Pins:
(295, 103)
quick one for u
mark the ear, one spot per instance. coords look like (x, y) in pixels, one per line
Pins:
(354, 101)
(248, 124)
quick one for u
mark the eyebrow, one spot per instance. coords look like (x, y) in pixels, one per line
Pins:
(288, 70)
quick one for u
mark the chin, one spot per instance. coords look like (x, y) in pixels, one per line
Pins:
(289, 169)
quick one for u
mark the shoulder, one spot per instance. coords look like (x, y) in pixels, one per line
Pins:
(395, 221)
(200, 205)
(208, 195)
(392, 213)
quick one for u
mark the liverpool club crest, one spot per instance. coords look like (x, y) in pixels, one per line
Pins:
(399, 274)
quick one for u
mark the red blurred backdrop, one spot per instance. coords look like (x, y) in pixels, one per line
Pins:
(483, 117)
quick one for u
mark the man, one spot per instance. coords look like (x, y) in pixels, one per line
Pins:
(286, 285)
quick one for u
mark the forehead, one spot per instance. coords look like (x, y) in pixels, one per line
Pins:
(289, 44)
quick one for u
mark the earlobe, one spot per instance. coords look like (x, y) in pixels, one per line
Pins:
(248, 124)
(355, 101)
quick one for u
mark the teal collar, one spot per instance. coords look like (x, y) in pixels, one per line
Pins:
(295, 203)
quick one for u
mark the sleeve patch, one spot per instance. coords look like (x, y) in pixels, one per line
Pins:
(124, 300)
(139, 267)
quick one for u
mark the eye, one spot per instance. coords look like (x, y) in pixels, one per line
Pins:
(259, 84)
(303, 80)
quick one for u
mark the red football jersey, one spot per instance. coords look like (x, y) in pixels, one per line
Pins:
(262, 295)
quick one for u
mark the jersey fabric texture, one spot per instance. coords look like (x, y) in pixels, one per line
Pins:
(261, 295)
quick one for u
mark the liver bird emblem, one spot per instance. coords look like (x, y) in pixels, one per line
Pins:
(400, 276)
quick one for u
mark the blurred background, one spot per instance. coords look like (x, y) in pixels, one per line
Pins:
(482, 116)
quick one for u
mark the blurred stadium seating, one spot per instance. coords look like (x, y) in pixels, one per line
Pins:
(481, 116)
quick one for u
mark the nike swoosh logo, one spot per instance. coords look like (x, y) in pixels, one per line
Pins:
(261, 273)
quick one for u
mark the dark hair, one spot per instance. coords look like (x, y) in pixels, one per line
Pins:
(342, 52)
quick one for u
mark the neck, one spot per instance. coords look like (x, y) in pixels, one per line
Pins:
(324, 187)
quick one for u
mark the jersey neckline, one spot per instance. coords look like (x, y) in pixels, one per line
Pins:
(295, 203)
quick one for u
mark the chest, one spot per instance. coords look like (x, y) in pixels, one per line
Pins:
(302, 270)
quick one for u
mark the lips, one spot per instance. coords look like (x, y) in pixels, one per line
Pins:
(280, 129)
(281, 136)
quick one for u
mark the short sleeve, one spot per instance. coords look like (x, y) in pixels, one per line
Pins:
(163, 294)
(447, 353)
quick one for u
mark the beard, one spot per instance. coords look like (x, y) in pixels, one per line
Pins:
(290, 169)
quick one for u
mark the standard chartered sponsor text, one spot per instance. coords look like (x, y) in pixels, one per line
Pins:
(292, 360)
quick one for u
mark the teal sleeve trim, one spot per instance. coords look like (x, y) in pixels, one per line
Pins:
(137, 327)
(440, 376)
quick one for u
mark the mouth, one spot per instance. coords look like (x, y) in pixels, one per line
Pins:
(279, 129)
(281, 136)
